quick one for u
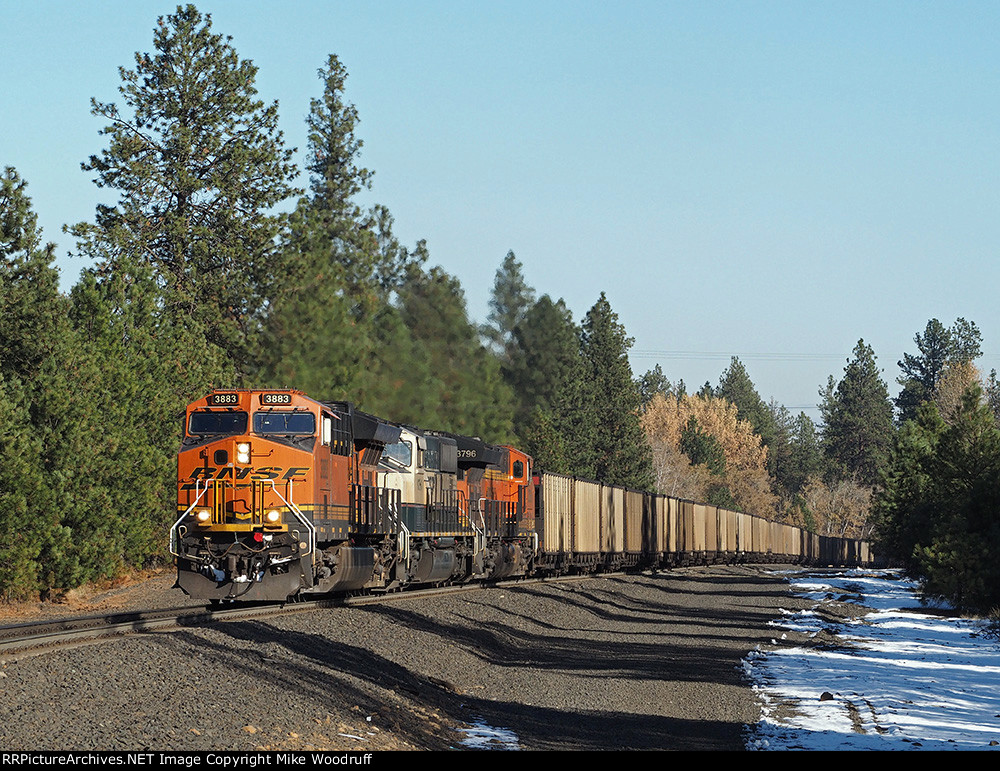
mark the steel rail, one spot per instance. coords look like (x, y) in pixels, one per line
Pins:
(32, 638)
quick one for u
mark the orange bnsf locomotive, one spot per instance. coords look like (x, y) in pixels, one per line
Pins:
(280, 495)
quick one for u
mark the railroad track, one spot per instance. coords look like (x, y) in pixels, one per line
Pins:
(28, 639)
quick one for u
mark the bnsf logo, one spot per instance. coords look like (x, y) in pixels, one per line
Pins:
(267, 472)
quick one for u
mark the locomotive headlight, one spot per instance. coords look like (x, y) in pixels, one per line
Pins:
(203, 515)
(243, 452)
(273, 516)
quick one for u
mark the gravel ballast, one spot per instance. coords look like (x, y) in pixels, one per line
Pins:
(616, 662)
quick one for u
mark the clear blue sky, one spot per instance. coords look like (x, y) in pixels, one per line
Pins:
(772, 180)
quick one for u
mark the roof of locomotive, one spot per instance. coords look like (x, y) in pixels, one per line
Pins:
(365, 428)
(473, 452)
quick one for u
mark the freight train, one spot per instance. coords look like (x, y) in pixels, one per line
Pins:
(281, 495)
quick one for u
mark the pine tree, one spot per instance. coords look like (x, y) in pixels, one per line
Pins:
(553, 393)
(902, 511)
(939, 347)
(333, 242)
(621, 452)
(471, 397)
(509, 303)
(31, 309)
(794, 454)
(652, 383)
(63, 400)
(198, 164)
(806, 458)
(991, 394)
(958, 557)
(400, 383)
(736, 386)
(857, 418)
(185, 265)
(32, 332)
(938, 509)
(130, 355)
(342, 264)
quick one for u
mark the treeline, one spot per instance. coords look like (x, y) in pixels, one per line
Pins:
(197, 282)
(726, 445)
(938, 509)
(918, 474)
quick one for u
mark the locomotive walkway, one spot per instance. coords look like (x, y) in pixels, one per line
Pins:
(619, 662)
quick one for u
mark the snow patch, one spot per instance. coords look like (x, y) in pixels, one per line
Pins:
(904, 679)
(480, 736)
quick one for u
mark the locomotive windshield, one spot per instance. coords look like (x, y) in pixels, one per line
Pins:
(202, 423)
(298, 423)
(400, 453)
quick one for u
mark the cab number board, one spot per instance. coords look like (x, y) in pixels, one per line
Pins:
(270, 399)
(223, 400)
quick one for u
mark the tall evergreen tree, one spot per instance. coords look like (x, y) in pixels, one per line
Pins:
(938, 510)
(324, 332)
(938, 347)
(794, 454)
(509, 303)
(621, 451)
(31, 309)
(966, 341)
(736, 386)
(546, 356)
(19, 233)
(991, 394)
(903, 508)
(198, 164)
(857, 419)
(337, 244)
(184, 262)
(63, 399)
(553, 394)
(806, 458)
(472, 397)
(32, 329)
(652, 383)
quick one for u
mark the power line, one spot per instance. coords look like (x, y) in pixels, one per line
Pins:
(760, 356)
(725, 355)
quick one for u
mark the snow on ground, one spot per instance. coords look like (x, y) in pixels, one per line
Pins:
(900, 676)
(482, 736)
